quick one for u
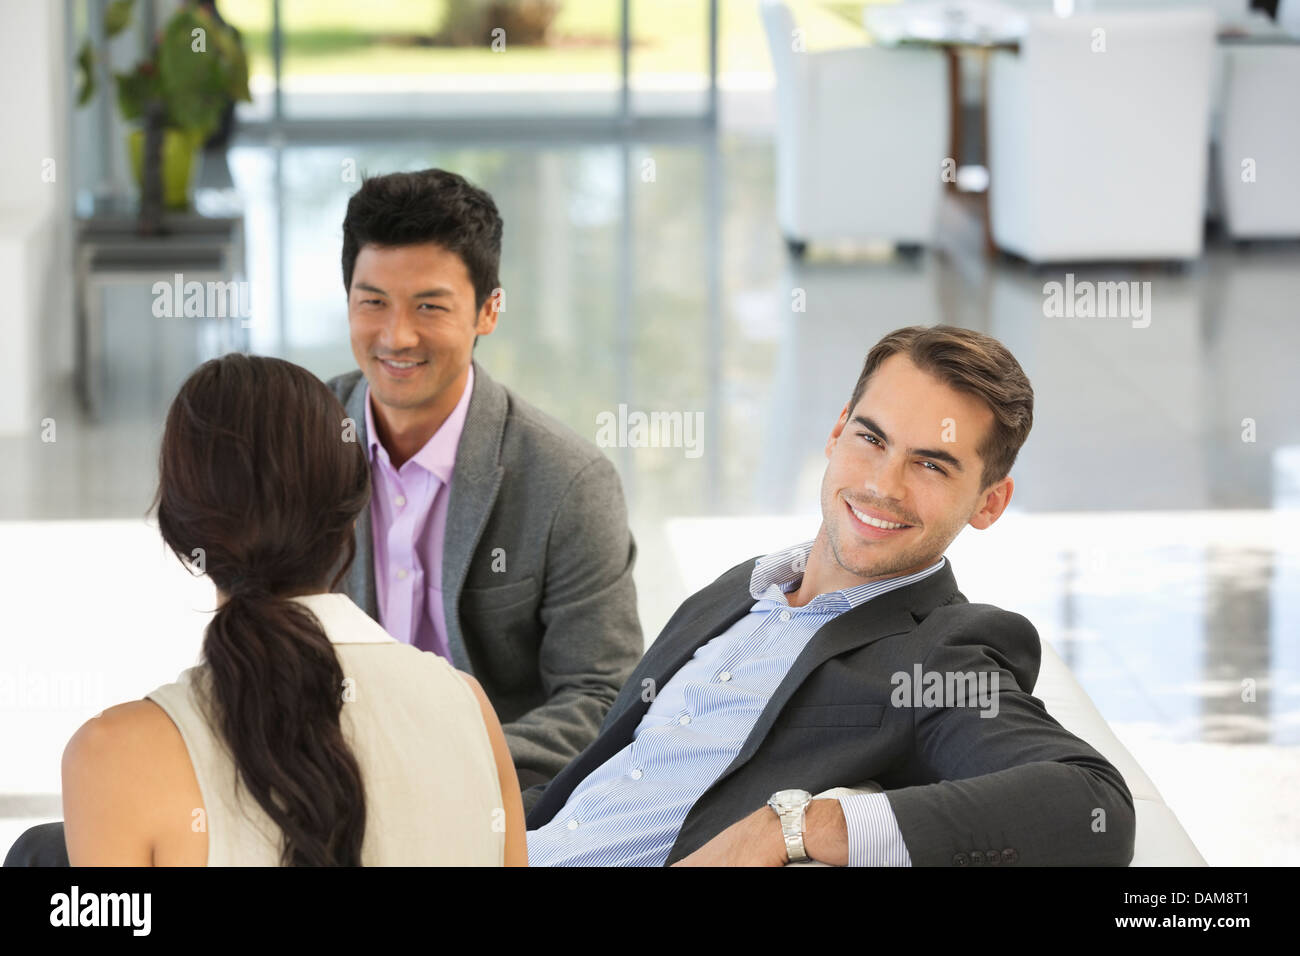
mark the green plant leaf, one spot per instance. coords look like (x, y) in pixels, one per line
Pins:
(135, 90)
(234, 65)
(118, 16)
(85, 73)
(191, 79)
(197, 84)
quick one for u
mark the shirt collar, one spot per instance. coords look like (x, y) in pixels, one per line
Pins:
(438, 456)
(783, 571)
(342, 621)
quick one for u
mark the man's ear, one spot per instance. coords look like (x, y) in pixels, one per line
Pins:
(995, 502)
(835, 432)
(491, 311)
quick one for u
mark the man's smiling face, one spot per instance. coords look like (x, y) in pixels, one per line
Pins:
(905, 455)
(412, 322)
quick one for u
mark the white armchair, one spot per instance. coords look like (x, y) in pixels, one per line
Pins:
(1288, 16)
(1102, 155)
(860, 140)
(1260, 126)
(1160, 839)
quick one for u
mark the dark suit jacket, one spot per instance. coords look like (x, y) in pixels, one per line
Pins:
(1015, 788)
(536, 573)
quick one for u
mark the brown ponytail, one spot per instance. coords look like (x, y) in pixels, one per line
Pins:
(255, 471)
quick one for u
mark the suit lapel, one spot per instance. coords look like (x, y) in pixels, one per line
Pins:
(729, 602)
(361, 576)
(475, 482)
(672, 652)
(896, 612)
(851, 630)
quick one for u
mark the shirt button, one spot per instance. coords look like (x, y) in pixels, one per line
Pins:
(401, 574)
(573, 824)
(785, 615)
(636, 774)
(399, 500)
(684, 719)
(725, 676)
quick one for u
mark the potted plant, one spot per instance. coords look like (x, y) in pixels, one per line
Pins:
(194, 69)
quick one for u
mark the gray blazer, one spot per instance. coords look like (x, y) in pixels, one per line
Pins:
(536, 573)
(965, 789)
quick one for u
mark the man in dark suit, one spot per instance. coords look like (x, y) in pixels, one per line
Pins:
(850, 659)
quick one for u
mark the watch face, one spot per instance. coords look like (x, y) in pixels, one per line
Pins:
(790, 798)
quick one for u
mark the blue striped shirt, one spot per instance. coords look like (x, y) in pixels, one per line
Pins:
(627, 812)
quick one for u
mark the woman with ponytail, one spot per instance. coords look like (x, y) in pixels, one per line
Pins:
(305, 736)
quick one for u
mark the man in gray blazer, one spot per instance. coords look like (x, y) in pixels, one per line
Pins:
(853, 661)
(536, 573)
(496, 536)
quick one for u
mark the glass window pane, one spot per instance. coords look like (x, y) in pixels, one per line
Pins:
(439, 58)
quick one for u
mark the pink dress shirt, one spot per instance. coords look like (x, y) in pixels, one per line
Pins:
(408, 520)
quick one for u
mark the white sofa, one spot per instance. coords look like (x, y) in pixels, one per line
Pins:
(860, 142)
(1160, 839)
(1102, 155)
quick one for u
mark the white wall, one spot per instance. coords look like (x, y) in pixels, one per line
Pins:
(35, 324)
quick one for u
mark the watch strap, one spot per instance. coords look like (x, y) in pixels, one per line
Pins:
(792, 824)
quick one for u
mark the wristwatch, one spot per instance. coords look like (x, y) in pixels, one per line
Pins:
(789, 806)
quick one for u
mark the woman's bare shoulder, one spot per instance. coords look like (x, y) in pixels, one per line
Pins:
(119, 769)
(133, 741)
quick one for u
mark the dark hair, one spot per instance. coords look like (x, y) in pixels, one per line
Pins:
(432, 205)
(256, 469)
(976, 364)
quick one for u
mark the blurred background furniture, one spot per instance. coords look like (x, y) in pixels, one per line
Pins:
(1102, 155)
(860, 140)
(1288, 16)
(1260, 130)
(110, 251)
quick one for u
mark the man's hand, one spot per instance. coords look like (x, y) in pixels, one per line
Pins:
(756, 839)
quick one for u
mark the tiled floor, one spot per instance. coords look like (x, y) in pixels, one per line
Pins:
(1147, 541)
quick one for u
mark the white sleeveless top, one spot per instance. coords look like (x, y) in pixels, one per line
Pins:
(432, 793)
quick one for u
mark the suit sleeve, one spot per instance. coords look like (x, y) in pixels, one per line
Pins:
(1015, 783)
(591, 638)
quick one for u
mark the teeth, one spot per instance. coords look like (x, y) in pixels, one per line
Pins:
(875, 522)
(400, 364)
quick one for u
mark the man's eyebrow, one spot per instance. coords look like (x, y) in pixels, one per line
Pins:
(937, 454)
(425, 294)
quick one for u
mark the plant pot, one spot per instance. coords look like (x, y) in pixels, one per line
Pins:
(180, 153)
